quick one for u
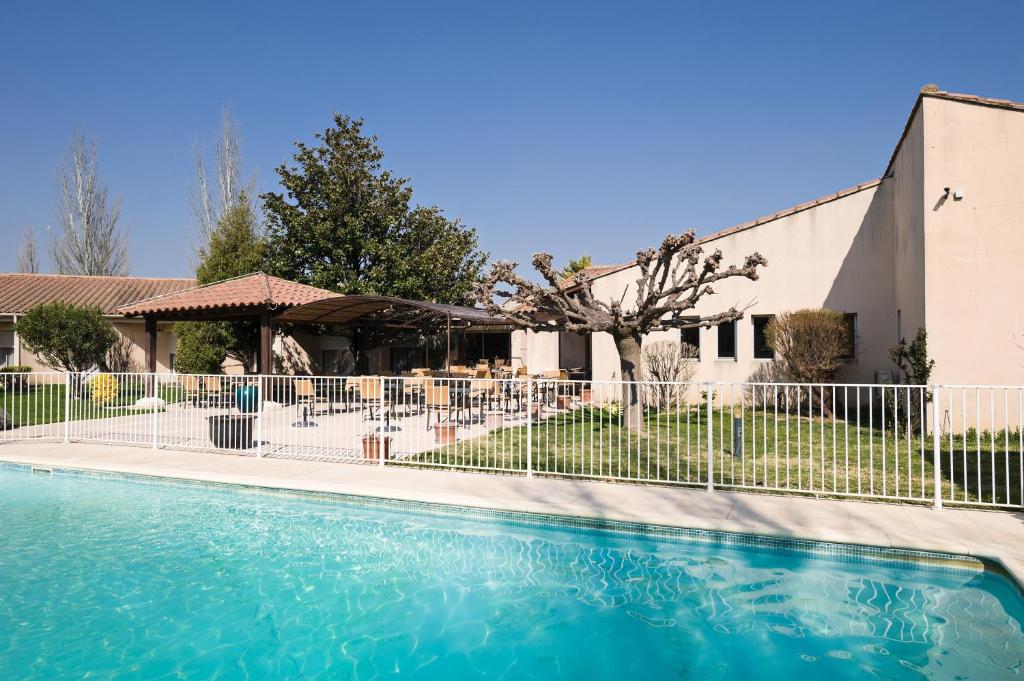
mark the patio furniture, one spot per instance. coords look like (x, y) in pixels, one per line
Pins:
(305, 395)
(190, 388)
(372, 397)
(213, 391)
(438, 399)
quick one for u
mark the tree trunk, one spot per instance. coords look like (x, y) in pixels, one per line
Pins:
(629, 362)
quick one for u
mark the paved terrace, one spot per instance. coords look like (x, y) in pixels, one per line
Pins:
(988, 534)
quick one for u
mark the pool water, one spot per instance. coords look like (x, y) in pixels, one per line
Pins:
(112, 578)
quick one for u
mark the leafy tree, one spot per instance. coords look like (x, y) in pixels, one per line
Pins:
(576, 265)
(235, 248)
(202, 347)
(66, 336)
(344, 223)
(673, 279)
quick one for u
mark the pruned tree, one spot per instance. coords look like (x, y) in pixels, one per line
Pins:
(89, 240)
(209, 205)
(28, 258)
(673, 280)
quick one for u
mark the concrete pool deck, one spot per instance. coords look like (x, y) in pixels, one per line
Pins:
(995, 535)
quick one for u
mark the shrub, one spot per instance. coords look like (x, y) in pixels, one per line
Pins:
(13, 381)
(66, 336)
(811, 346)
(913, 368)
(103, 389)
(668, 362)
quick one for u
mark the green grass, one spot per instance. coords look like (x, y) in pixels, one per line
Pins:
(823, 455)
(43, 404)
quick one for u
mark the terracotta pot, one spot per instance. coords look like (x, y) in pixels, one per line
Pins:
(537, 410)
(444, 433)
(494, 419)
(585, 395)
(564, 401)
(371, 447)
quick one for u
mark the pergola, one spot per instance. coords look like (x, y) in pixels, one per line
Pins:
(257, 297)
(386, 312)
(260, 297)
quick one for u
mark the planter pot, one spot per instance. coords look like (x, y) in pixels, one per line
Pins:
(586, 395)
(247, 398)
(564, 401)
(231, 431)
(494, 419)
(536, 410)
(372, 447)
(444, 433)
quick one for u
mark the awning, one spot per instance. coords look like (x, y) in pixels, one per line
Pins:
(397, 313)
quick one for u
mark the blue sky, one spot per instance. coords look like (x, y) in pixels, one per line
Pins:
(567, 127)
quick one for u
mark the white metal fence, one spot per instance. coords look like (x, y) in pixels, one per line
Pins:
(928, 444)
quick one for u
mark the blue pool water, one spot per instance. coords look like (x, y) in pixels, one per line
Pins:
(111, 578)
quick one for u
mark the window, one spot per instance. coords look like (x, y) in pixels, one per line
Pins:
(691, 337)
(851, 325)
(761, 348)
(727, 340)
(170, 361)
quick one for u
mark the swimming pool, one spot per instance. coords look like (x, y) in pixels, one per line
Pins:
(118, 578)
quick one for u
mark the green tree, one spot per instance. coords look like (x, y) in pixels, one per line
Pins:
(577, 265)
(66, 336)
(235, 248)
(912, 360)
(344, 223)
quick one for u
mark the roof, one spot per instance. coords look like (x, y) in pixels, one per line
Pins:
(594, 271)
(241, 295)
(389, 312)
(926, 91)
(934, 92)
(21, 292)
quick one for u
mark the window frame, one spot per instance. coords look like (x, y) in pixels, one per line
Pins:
(695, 331)
(735, 349)
(754, 319)
(850, 318)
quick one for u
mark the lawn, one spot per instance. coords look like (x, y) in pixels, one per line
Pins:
(45, 403)
(754, 448)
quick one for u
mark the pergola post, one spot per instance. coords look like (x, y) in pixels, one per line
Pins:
(265, 357)
(151, 354)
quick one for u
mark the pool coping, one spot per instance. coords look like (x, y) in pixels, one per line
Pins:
(226, 471)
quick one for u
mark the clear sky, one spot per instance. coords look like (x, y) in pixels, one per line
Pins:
(567, 127)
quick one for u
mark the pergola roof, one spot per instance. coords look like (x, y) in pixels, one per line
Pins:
(389, 312)
(244, 295)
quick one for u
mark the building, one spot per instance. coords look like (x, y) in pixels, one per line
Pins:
(21, 292)
(935, 242)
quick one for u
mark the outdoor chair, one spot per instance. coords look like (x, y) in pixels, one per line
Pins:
(438, 399)
(190, 388)
(213, 390)
(305, 395)
(372, 397)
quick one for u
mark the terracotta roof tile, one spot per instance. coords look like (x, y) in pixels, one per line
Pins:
(20, 292)
(251, 290)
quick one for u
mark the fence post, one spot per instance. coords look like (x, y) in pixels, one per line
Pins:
(707, 432)
(381, 447)
(529, 427)
(261, 380)
(936, 447)
(153, 406)
(67, 406)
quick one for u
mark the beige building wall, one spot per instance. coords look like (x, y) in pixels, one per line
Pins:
(974, 245)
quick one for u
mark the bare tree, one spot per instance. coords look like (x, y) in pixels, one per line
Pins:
(28, 258)
(90, 241)
(673, 279)
(668, 364)
(209, 205)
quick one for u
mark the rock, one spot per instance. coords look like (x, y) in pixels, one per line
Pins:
(150, 403)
